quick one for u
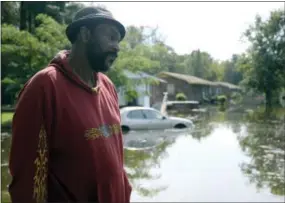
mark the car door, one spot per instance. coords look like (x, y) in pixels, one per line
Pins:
(136, 120)
(155, 120)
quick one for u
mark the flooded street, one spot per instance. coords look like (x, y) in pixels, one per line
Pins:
(226, 157)
(223, 159)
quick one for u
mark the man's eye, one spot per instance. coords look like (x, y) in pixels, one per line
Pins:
(114, 38)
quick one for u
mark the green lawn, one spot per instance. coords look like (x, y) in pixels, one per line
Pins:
(5, 197)
(6, 117)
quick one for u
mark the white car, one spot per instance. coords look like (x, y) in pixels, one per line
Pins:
(142, 118)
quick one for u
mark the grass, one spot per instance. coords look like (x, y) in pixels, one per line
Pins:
(6, 117)
(5, 197)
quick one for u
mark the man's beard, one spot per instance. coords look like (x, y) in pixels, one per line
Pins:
(97, 59)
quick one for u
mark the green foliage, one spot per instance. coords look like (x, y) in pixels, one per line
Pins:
(6, 120)
(138, 53)
(217, 71)
(10, 89)
(236, 97)
(263, 65)
(181, 97)
(222, 99)
(131, 94)
(23, 58)
(10, 12)
(143, 49)
(30, 9)
(198, 64)
(6, 117)
(70, 9)
(232, 73)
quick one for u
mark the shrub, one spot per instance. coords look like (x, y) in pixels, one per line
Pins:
(181, 97)
(236, 97)
(222, 99)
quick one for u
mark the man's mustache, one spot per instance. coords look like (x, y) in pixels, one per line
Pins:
(111, 53)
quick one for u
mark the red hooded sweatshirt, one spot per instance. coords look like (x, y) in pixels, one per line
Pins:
(66, 140)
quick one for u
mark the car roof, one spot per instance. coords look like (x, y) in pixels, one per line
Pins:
(131, 108)
(182, 102)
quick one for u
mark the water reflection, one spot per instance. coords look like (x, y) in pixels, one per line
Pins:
(143, 151)
(203, 128)
(265, 144)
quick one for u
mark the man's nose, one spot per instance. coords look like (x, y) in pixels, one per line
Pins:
(115, 47)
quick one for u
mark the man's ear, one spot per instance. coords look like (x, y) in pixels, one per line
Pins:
(84, 34)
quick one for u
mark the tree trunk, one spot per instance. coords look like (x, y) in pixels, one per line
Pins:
(61, 11)
(268, 98)
(31, 20)
(23, 16)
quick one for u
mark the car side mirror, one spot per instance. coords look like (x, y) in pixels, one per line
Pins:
(164, 117)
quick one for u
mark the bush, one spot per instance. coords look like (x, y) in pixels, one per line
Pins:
(24, 53)
(181, 97)
(6, 120)
(131, 94)
(222, 99)
(236, 97)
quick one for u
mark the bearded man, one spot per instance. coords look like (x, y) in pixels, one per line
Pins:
(66, 135)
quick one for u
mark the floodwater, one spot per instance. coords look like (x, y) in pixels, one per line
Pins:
(226, 157)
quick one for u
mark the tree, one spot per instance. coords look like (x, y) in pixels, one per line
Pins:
(198, 64)
(135, 36)
(265, 68)
(216, 71)
(30, 9)
(10, 12)
(138, 53)
(23, 58)
(70, 10)
(231, 71)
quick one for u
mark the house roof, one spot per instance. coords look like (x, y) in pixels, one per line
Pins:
(228, 85)
(141, 75)
(187, 78)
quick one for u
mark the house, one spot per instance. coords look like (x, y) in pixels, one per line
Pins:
(225, 88)
(146, 87)
(193, 87)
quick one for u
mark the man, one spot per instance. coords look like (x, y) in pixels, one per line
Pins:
(66, 136)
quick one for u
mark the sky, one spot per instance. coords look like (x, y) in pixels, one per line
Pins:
(214, 27)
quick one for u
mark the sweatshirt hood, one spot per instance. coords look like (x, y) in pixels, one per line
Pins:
(61, 63)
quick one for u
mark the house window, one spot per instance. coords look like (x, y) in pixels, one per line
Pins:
(219, 91)
(204, 92)
(170, 88)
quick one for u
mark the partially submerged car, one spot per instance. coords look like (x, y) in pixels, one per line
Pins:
(143, 118)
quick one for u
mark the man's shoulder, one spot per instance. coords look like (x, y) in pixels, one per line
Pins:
(105, 79)
(43, 76)
(48, 71)
(40, 82)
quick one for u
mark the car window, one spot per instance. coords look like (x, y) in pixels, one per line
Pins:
(136, 114)
(152, 114)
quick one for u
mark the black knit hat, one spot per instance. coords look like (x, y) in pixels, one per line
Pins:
(92, 16)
